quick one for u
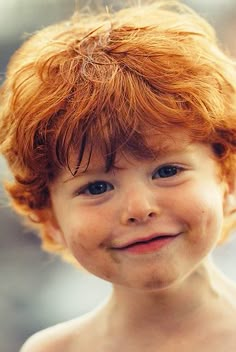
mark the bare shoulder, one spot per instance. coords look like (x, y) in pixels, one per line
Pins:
(58, 338)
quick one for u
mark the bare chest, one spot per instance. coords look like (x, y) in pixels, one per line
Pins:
(224, 341)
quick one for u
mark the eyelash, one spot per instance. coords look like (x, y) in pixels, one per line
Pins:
(91, 184)
(177, 169)
(169, 167)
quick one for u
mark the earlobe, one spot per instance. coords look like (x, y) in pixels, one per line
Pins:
(49, 223)
(54, 232)
(53, 229)
(230, 204)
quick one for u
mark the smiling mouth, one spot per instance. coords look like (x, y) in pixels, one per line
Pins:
(146, 246)
(146, 241)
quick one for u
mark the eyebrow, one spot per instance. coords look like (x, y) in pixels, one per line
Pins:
(90, 172)
(168, 150)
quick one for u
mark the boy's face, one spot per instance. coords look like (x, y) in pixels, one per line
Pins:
(145, 224)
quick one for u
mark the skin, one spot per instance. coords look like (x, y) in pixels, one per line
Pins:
(172, 291)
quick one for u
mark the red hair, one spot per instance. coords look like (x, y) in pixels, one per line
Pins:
(102, 80)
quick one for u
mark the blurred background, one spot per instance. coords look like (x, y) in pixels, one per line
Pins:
(37, 289)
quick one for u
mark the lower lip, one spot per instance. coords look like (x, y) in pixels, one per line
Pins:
(152, 246)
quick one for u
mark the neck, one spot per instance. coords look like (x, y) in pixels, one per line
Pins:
(166, 308)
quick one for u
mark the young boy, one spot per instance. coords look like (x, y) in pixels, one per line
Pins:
(120, 131)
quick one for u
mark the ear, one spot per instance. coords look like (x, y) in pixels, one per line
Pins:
(53, 230)
(229, 204)
(49, 223)
(230, 198)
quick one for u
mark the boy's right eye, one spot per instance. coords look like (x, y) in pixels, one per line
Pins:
(96, 188)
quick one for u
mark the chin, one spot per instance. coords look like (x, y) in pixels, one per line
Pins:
(152, 282)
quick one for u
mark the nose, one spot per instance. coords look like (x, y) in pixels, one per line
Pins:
(139, 206)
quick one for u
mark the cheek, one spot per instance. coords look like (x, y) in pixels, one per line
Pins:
(89, 255)
(86, 230)
(204, 215)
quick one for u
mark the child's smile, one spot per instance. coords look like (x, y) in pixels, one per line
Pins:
(111, 221)
(142, 245)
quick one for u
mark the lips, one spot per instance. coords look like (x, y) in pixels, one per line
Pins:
(144, 240)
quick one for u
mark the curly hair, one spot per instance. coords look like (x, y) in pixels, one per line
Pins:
(105, 80)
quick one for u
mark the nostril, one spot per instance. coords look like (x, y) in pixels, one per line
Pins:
(143, 218)
(132, 220)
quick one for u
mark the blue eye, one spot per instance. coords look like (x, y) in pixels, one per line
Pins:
(96, 188)
(166, 171)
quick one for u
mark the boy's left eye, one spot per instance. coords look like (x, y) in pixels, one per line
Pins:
(166, 171)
